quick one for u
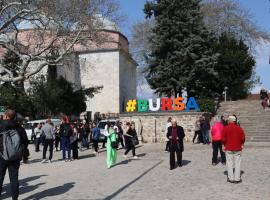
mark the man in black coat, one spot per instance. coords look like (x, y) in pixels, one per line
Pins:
(176, 135)
(9, 123)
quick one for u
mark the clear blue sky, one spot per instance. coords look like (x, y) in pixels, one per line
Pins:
(260, 9)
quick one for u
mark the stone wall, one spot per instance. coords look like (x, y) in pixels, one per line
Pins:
(151, 126)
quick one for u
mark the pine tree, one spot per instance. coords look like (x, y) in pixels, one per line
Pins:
(181, 54)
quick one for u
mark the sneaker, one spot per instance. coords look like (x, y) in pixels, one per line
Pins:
(125, 156)
(135, 157)
(229, 181)
(214, 164)
(44, 161)
(50, 161)
(223, 163)
(236, 182)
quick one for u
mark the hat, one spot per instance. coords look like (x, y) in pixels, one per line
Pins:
(232, 118)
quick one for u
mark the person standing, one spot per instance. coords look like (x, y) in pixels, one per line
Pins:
(74, 141)
(128, 135)
(205, 127)
(48, 133)
(111, 150)
(95, 137)
(169, 124)
(37, 132)
(233, 139)
(120, 134)
(57, 138)
(176, 134)
(65, 133)
(197, 131)
(9, 123)
(216, 133)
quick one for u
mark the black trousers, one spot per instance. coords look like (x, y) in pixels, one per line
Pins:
(13, 170)
(48, 143)
(130, 146)
(104, 142)
(217, 145)
(74, 148)
(57, 142)
(167, 148)
(197, 133)
(121, 140)
(95, 145)
(175, 149)
(37, 143)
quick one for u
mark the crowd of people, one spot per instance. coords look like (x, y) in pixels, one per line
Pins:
(68, 137)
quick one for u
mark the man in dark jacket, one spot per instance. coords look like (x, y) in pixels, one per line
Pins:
(9, 123)
(175, 134)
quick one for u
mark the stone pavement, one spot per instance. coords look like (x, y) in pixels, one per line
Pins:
(146, 178)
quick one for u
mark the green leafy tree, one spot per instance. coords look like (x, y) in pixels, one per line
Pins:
(235, 67)
(181, 54)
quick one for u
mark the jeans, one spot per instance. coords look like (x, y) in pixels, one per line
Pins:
(205, 135)
(217, 145)
(95, 145)
(65, 142)
(48, 143)
(174, 149)
(13, 170)
(234, 160)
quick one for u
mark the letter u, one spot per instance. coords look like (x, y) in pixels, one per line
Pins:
(151, 105)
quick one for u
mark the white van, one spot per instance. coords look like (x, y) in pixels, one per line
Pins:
(30, 126)
(101, 125)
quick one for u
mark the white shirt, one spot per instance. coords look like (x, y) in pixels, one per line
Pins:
(37, 132)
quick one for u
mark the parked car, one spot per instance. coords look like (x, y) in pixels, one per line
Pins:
(101, 125)
(30, 126)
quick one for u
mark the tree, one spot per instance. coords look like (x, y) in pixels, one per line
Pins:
(181, 54)
(228, 16)
(235, 67)
(55, 27)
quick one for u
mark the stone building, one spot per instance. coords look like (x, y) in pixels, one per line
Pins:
(107, 64)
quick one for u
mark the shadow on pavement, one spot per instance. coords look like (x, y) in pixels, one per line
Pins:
(87, 156)
(185, 162)
(52, 192)
(25, 187)
(112, 196)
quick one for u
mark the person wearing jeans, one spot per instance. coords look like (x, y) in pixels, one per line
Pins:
(65, 133)
(233, 139)
(95, 136)
(216, 133)
(9, 123)
(47, 131)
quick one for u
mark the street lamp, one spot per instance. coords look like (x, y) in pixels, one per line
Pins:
(225, 93)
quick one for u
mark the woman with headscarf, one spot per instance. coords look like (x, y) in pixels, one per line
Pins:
(112, 145)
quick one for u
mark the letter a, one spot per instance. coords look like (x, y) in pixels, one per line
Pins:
(151, 105)
(192, 104)
(166, 104)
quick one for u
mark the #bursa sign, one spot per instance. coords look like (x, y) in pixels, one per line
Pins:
(162, 104)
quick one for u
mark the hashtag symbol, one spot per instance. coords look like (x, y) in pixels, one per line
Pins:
(131, 105)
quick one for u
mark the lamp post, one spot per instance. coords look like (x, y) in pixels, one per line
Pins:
(225, 93)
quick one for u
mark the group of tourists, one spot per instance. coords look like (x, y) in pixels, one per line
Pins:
(225, 134)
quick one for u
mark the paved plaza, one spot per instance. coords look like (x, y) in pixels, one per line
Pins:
(147, 178)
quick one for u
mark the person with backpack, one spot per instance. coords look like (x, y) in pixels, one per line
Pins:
(65, 133)
(48, 134)
(13, 142)
(112, 145)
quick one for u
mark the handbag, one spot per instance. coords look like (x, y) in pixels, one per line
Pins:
(135, 140)
(114, 144)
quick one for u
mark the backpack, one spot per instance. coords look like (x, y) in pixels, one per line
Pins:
(12, 145)
(67, 131)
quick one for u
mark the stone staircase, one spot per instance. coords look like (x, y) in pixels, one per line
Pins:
(253, 119)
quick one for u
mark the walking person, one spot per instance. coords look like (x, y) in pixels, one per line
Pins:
(176, 135)
(95, 137)
(128, 135)
(37, 132)
(233, 139)
(8, 123)
(65, 133)
(48, 134)
(197, 131)
(74, 138)
(120, 134)
(112, 145)
(216, 133)
(169, 124)
(57, 138)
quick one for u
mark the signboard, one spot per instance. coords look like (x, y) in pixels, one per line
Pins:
(162, 104)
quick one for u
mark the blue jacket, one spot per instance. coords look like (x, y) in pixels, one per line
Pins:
(95, 133)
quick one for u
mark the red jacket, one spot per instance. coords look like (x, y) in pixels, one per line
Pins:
(216, 131)
(233, 137)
